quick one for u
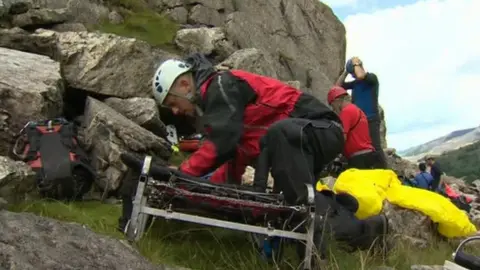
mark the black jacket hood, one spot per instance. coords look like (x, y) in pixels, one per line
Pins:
(202, 69)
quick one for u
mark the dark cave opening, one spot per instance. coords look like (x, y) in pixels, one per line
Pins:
(74, 106)
(74, 102)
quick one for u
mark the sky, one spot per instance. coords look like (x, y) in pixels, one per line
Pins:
(426, 55)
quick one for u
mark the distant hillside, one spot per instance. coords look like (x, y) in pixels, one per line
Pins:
(463, 162)
(452, 141)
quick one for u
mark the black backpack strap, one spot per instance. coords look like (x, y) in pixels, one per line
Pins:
(33, 140)
(358, 121)
(424, 178)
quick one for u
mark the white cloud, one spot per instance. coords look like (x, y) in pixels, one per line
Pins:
(339, 3)
(418, 52)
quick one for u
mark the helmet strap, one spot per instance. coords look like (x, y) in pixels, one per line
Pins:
(190, 96)
(199, 111)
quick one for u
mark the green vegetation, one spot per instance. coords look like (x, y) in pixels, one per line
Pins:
(199, 247)
(177, 158)
(141, 23)
(463, 162)
(133, 5)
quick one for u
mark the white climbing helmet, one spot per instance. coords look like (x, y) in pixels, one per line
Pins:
(165, 75)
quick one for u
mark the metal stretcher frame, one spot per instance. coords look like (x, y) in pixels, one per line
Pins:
(136, 226)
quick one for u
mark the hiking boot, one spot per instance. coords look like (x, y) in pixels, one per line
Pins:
(122, 223)
(376, 230)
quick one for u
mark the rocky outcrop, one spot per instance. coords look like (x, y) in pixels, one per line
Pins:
(383, 128)
(39, 17)
(203, 12)
(204, 40)
(99, 63)
(107, 64)
(103, 64)
(19, 39)
(31, 88)
(143, 111)
(108, 134)
(409, 226)
(399, 165)
(303, 36)
(34, 13)
(16, 179)
(251, 59)
(30, 242)
(304, 39)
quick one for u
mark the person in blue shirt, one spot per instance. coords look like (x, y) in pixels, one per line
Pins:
(365, 90)
(423, 179)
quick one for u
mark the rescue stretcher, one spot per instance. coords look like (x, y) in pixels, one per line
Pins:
(167, 193)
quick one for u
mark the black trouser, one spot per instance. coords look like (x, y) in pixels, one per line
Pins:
(127, 192)
(371, 160)
(435, 183)
(296, 150)
(374, 130)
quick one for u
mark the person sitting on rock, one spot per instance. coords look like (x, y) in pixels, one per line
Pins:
(299, 133)
(365, 90)
(423, 179)
(358, 150)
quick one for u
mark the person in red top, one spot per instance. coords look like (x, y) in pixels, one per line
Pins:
(253, 120)
(358, 150)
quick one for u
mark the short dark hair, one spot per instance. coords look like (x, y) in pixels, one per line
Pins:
(422, 167)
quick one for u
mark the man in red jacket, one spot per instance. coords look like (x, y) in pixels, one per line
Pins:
(299, 134)
(359, 150)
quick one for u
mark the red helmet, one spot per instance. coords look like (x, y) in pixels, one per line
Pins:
(334, 93)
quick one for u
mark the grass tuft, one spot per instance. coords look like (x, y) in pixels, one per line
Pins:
(155, 29)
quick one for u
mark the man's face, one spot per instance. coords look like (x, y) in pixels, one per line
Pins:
(336, 106)
(429, 162)
(180, 105)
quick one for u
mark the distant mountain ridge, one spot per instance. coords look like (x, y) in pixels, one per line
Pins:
(449, 142)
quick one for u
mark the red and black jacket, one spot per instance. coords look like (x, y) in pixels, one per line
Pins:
(238, 108)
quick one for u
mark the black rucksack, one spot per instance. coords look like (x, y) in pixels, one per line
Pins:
(52, 150)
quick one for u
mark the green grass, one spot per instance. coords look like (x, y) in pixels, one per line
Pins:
(199, 247)
(462, 162)
(177, 158)
(155, 29)
(141, 23)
